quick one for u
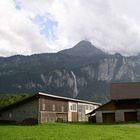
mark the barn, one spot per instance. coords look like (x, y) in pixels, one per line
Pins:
(124, 105)
(42, 107)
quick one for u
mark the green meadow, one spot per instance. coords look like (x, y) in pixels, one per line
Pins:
(71, 131)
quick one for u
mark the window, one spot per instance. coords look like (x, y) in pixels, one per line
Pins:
(86, 107)
(43, 106)
(91, 107)
(53, 107)
(73, 107)
(62, 109)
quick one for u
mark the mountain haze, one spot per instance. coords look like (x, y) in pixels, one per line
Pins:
(83, 72)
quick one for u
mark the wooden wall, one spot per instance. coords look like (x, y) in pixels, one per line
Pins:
(22, 111)
(119, 111)
(53, 109)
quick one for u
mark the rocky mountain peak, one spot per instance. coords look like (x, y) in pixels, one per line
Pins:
(83, 48)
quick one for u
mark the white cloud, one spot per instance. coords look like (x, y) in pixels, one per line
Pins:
(96, 20)
(18, 35)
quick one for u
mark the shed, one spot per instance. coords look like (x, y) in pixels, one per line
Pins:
(124, 105)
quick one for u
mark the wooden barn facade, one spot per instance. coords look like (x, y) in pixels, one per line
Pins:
(123, 107)
(42, 107)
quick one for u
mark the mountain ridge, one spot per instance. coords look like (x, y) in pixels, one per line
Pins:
(61, 73)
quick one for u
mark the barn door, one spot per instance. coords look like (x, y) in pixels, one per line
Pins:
(74, 116)
(108, 117)
(130, 116)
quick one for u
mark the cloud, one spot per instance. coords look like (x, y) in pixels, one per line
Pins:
(96, 21)
(18, 34)
(30, 26)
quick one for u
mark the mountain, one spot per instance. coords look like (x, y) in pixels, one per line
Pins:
(84, 74)
(84, 49)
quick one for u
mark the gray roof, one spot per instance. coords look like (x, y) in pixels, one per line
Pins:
(69, 99)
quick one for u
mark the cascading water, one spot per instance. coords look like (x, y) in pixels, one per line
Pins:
(75, 85)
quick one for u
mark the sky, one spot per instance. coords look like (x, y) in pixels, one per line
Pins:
(28, 26)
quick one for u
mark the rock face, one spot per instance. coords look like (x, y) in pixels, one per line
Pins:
(83, 48)
(83, 72)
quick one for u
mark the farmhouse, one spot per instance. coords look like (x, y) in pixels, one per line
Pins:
(123, 107)
(44, 107)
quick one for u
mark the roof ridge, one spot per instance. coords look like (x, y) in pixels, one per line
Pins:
(67, 98)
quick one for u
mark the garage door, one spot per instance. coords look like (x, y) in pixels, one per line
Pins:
(130, 116)
(108, 117)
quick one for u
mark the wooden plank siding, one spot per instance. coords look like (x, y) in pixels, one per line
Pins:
(49, 102)
(27, 110)
(120, 104)
(53, 109)
(108, 106)
(118, 111)
(43, 108)
(128, 104)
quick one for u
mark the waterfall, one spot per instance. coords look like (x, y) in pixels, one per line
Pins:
(43, 78)
(75, 85)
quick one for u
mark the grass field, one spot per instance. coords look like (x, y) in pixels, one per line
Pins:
(66, 131)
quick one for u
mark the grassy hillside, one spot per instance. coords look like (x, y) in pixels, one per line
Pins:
(64, 131)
